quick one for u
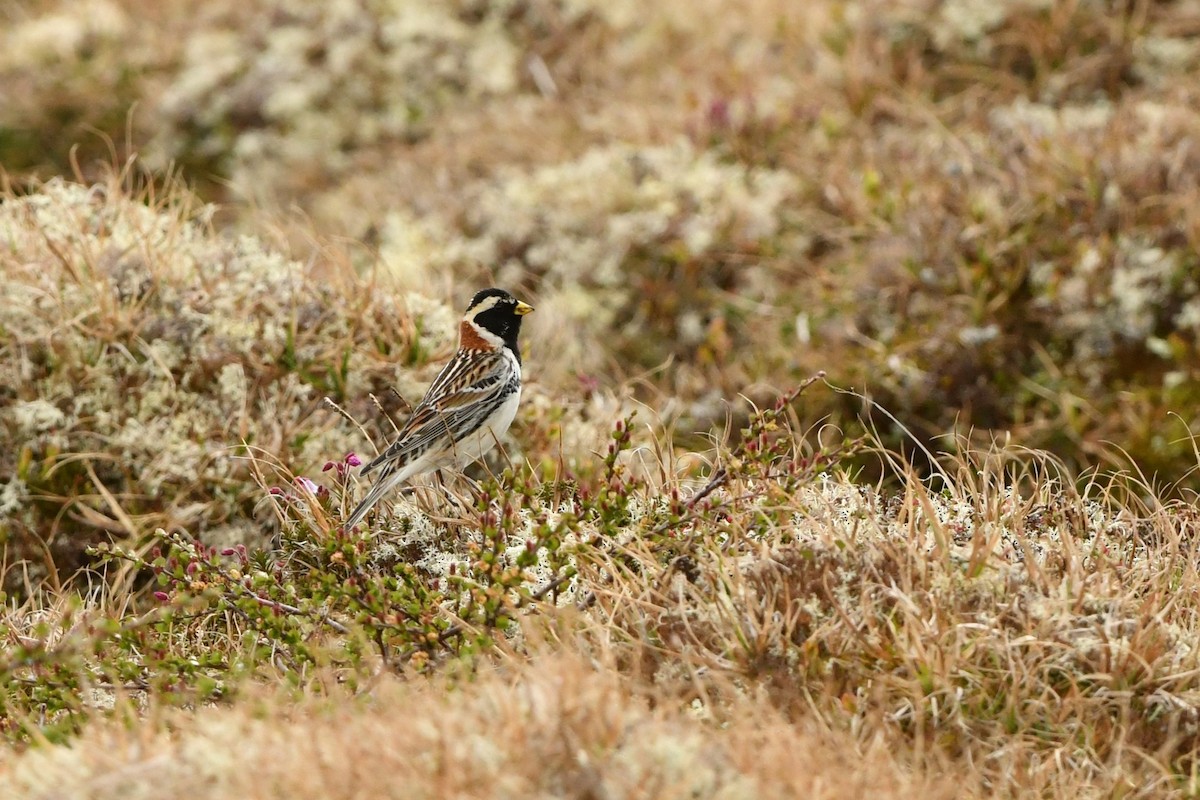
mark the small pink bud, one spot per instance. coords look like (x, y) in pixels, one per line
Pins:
(328, 466)
(162, 597)
(275, 490)
(229, 551)
(353, 460)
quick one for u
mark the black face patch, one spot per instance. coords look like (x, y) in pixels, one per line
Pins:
(502, 320)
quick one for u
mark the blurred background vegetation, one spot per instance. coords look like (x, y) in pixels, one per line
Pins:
(981, 215)
(236, 237)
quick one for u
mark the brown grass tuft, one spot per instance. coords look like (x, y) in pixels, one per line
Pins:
(558, 725)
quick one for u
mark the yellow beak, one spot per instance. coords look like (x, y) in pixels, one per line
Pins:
(522, 309)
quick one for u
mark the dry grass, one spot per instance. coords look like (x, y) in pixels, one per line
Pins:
(552, 726)
(1069, 675)
(1005, 635)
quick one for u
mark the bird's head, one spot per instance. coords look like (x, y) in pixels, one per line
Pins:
(493, 320)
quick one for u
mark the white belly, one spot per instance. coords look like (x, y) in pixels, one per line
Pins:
(483, 440)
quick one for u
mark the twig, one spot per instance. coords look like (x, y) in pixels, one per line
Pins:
(275, 604)
(387, 416)
(396, 393)
(718, 479)
(133, 686)
(329, 403)
(541, 593)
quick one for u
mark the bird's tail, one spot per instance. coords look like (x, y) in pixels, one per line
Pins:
(382, 486)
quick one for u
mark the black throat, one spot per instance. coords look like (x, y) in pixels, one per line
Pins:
(501, 321)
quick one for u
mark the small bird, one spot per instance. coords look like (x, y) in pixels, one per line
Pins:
(468, 406)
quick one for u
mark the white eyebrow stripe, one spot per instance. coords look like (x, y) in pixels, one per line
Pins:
(483, 305)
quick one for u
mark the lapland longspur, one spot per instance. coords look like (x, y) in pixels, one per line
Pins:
(468, 406)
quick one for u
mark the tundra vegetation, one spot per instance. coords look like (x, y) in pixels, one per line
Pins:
(855, 457)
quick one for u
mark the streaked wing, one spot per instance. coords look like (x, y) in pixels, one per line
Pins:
(462, 396)
(469, 370)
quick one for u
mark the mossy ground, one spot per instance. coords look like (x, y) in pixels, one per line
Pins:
(235, 242)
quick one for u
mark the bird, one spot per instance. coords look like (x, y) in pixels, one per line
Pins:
(469, 405)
